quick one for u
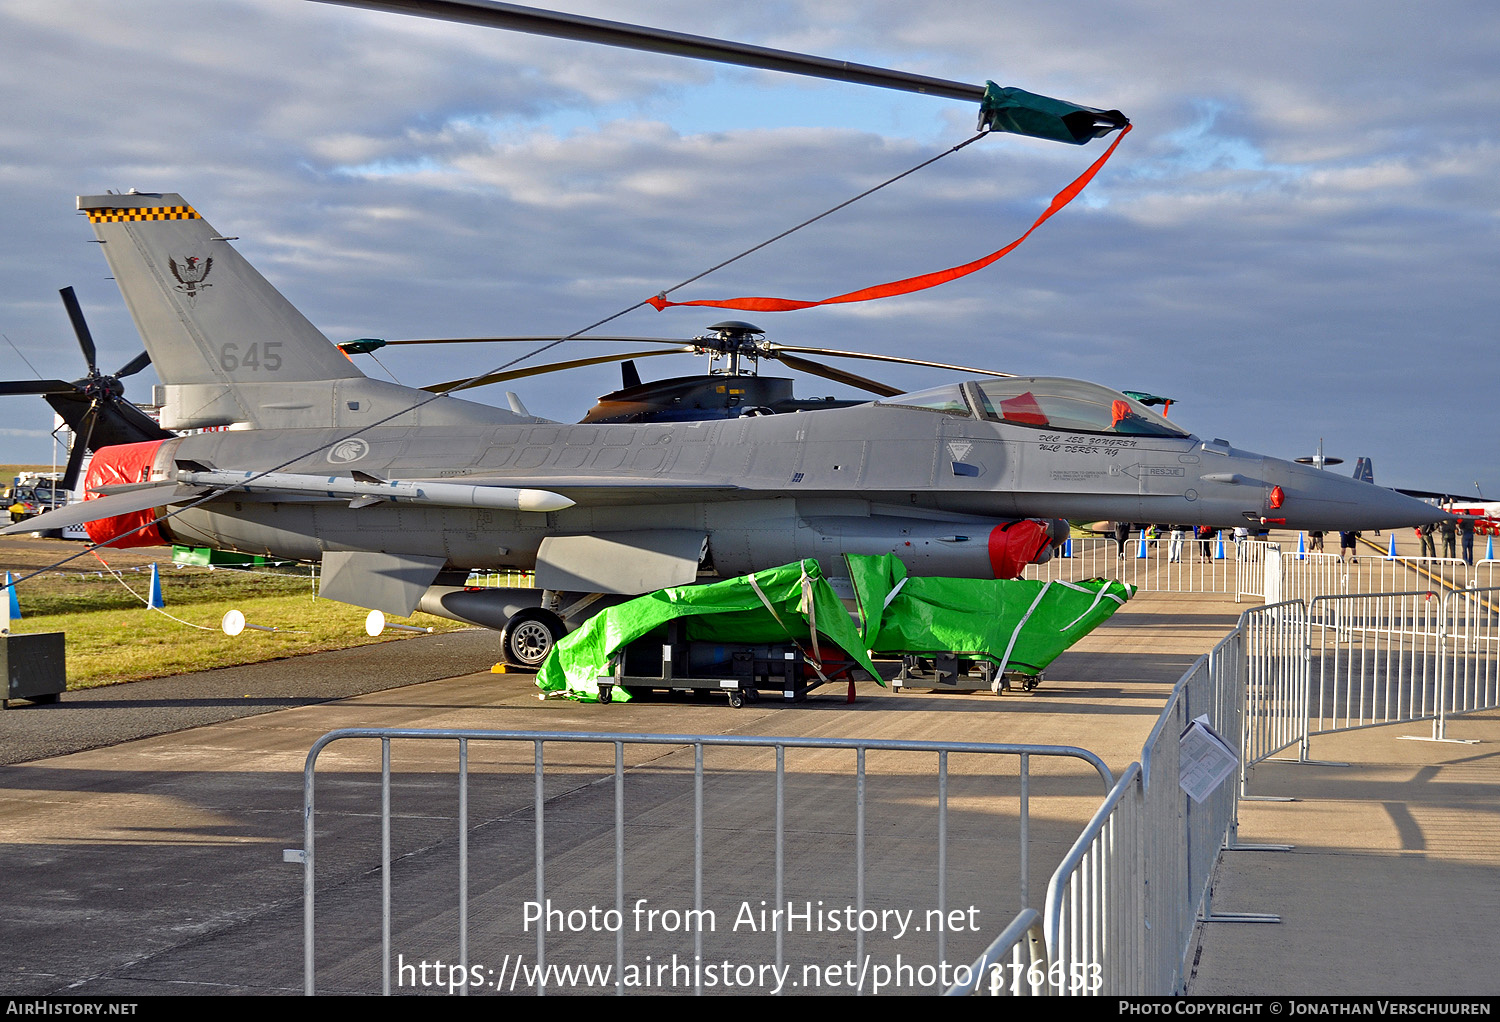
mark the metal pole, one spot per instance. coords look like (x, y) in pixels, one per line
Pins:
(620, 866)
(942, 852)
(1025, 830)
(859, 854)
(654, 40)
(780, 848)
(463, 861)
(385, 866)
(541, 877)
(698, 859)
(307, 873)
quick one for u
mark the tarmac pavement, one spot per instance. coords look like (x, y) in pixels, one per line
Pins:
(141, 848)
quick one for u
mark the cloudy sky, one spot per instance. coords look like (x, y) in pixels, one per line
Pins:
(1298, 240)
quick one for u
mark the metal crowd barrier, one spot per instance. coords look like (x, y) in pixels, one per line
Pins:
(1308, 576)
(1122, 907)
(1015, 963)
(1372, 659)
(698, 743)
(1487, 574)
(1187, 565)
(1469, 669)
(1338, 663)
(1274, 646)
(1241, 568)
(1251, 560)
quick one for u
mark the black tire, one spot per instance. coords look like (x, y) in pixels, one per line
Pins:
(736, 698)
(529, 636)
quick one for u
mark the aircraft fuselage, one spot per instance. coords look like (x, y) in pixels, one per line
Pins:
(872, 478)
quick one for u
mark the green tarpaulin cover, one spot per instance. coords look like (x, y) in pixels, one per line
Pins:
(1022, 625)
(1019, 624)
(776, 605)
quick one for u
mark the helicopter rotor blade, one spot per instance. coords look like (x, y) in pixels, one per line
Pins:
(577, 363)
(81, 328)
(775, 348)
(535, 339)
(838, 375)
(36, 387)
(80, 447)
(653, 40)
(134, 366)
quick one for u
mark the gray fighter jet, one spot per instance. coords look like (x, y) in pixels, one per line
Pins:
(394, 489)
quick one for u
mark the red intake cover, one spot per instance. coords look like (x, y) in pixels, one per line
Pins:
(126, 463)
(1015, 545)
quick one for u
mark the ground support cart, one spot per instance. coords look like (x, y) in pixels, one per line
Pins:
(744, 672)
(960, 672)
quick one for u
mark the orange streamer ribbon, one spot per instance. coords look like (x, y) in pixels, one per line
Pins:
(910, 284)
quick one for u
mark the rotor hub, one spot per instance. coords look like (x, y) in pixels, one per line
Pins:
(734, 340)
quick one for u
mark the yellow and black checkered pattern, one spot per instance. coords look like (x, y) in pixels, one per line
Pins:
(111, 216)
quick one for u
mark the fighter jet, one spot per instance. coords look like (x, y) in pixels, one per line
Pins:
(398, 492)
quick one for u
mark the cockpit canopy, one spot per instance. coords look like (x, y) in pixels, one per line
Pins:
(1040, 402)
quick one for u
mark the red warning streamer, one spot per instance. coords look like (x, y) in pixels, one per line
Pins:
(910, 284)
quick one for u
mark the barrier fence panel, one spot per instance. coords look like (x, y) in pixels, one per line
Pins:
(1486, 574)
(1191, 565)
(1373, 659)
(1274, 642)
(549, 813)
(1122, 906)
(1080, 559)
(1152, 564)
(1016, 962)
(1470, 666)
(1186, 835)
(1375, 574)
(1305, 576)
(1098, 901)
(1250, 557)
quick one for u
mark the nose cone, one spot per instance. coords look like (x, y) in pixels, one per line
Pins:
(1317, 499)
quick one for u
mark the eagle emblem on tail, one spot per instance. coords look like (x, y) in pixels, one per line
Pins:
(190, 273)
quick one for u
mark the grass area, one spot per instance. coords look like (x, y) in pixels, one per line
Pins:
(78, 591)
(9, 472)
(113, 637)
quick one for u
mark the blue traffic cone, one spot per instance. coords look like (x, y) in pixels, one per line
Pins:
(1391, 554)
(1141, 553)
(1302, 546)
(1219, 549)
(1068, 547)
(155, 599)
(1489, 549)
(15, 603)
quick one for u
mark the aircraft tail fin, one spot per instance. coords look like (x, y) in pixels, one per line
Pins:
(207, 316)
(1364, 469)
